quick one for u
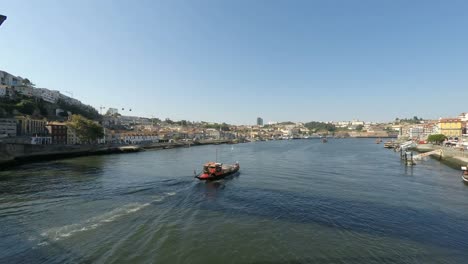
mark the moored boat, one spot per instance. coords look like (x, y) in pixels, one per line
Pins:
(465, 174)
(389, 144)
(215, 171)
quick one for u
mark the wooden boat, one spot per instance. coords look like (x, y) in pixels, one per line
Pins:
(389, 144)
(214, 171)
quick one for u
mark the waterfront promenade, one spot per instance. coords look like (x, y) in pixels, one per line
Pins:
(11, 153)
(453, 156)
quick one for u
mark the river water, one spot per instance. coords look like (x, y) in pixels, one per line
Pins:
(299, 201)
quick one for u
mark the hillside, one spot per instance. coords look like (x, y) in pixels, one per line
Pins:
(39, 108)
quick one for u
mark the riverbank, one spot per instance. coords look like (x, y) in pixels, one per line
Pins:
(452, 157)
(12, 154)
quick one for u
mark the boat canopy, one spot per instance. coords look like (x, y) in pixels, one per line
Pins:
(212, 164)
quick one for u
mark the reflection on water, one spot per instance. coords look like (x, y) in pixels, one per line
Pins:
(348, 201)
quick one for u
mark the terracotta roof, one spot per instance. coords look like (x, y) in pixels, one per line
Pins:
(446, 120)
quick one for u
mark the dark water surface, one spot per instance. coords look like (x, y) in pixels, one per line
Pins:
(300, 201)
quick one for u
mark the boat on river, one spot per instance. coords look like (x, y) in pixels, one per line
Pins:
(465, 174)
(389, 144)
(215, 171)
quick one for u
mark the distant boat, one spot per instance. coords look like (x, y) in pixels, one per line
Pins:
(378, 141)
(324, 140)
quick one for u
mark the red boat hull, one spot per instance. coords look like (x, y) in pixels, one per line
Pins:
(219, 175)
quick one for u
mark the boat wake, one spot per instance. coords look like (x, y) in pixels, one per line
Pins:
(63, 232)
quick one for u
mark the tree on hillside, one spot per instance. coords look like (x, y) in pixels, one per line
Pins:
(286, 123)
(359, 127)
(26, 107)
(436, 138)
(85, 129)
(27, 82)
(320, 126)
(83, 110)
(224, 127)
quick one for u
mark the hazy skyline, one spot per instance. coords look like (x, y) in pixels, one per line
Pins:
(233, 61)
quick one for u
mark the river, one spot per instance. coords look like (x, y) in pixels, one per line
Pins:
(296, 201)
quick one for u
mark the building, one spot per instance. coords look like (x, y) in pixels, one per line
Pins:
(26, 126)
(112, 111)
(24, 90)
(72, 138)
(139, 138)
(47, 95)
(58, 132)
(213, 133)
(416, 132)
(41, 140)
(9, 79)
(463, 117)
(450, 127)
(4, 90)
(8, 127)
(356, 122)
(259, 121)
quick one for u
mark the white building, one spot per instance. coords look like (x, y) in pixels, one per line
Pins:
(139, 138)
(47, 95)
(213, 133)
(342, 124)
(416, 132)
(463, 117)
(72, 138)
(41, 140)
(357, 123)
(8, 126)
(9, 79)
(112, 111)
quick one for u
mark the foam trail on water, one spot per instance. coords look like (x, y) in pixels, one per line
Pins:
(63, 232)
(59, 233)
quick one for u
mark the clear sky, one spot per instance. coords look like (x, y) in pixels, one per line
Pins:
(234, 60)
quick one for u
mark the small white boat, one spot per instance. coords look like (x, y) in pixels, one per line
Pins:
(465, 174)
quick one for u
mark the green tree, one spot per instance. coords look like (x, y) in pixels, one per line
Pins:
(27, 82)
(83, 110)
(359, 127)
(169, 121)
(26, 107)
(224, 127)
(85, 129)
(437, 138)
(320, 126)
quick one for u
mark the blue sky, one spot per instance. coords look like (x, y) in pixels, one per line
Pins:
(235, 60)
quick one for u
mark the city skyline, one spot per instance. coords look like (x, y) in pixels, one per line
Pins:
(232, 61)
